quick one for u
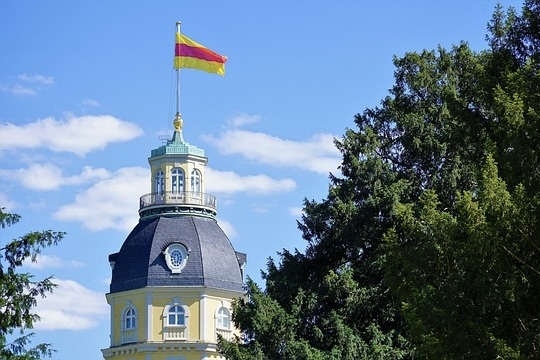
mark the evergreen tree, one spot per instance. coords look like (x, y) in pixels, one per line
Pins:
(427, 245)
(19, 291)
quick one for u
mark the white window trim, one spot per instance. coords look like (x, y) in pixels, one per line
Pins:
(129, 335)
(175, 331)
(167, 321)
(225, 332)
(218, 316)
(195, 181)
(180, 176)
(176, 269)
(159, 182)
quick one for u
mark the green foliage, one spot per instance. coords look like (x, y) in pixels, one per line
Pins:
(18, 291)
(269, 330)
(427, 245)
(465, 280)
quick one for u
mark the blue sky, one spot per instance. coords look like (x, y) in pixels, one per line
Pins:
(87, 90)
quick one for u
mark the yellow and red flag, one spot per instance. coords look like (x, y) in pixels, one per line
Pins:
(190, 54)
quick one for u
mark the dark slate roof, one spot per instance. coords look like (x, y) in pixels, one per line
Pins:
(212, 261)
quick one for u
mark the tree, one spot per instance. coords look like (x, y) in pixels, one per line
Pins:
(269, 330)
(468, 278)
(427, 244)
(19, 291)
(467, 271)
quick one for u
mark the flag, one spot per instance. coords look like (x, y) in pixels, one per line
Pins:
(189, 54)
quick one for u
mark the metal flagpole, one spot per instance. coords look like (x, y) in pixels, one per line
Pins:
(178, 117)
(178, 23)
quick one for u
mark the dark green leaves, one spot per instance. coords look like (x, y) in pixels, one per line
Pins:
(18, 291)
(427, 245)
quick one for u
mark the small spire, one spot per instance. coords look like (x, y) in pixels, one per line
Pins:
(178, 122)
(178, 137)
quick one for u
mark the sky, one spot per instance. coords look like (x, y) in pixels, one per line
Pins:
(87, 90)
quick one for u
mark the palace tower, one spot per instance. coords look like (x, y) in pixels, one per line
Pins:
(176, 274)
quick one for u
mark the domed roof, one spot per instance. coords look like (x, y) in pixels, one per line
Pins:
(212, 261)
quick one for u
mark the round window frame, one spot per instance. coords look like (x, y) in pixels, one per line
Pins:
(176, 269)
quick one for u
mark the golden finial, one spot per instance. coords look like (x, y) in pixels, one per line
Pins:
(178, 122)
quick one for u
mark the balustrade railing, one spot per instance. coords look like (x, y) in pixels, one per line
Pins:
(178, 198)
(174, 333)
(225, 333)
(128, 336)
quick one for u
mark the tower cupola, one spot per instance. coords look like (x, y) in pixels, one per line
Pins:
(178, 179)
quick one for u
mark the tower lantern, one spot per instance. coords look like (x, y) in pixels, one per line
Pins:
(178, 179)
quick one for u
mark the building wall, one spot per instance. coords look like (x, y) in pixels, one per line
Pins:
(167, 164)
(152, 341)
(119, 304)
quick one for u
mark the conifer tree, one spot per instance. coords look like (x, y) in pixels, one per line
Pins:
(428, 242)
(19, 292)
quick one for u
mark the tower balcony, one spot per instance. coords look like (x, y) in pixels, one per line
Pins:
(186, 202)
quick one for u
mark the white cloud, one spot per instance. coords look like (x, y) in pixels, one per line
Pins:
(78, 135)
(87, 175)
(48, 176)
(243, 119)
(6, 203)
(296, 211)
(90, 102)
(36, 78)
(54, 262)
(70, 306)
(317, 154)
(227, 228)
(39, 176)
(18, 89)
(230, 182)
(111, 203)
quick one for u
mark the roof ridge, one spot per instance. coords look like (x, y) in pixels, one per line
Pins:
(200, 249)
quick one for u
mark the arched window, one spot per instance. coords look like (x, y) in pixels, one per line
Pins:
(177, 178)
(130, 319)
(175, 316)
(196, 181)
(159, 182)
(223, 318)
(175, 320)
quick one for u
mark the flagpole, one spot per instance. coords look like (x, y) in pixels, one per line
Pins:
(178, 117)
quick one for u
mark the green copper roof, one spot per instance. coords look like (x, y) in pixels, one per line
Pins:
(177, 146)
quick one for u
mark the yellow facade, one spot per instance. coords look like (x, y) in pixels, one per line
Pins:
(152, 338)
(188, 164)
(187, 168)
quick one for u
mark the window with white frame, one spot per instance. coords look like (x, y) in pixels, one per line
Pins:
(176, 256)
(177, 181)
(223, 318)
(130, 319)
(175, 321)
(176, 316)
(129, 322)
(196, 181)
(159, 182)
